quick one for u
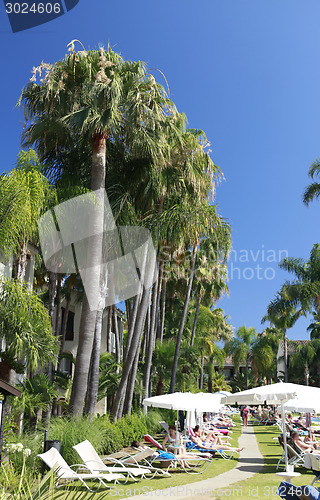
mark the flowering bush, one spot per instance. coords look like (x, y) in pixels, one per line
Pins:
(17, 448)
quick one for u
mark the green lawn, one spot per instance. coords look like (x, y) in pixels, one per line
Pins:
(264, 485)
(178, 477)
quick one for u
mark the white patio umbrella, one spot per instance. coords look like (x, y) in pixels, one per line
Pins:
(277, 393)
(186, 401)
(308, 400)
(174, 401)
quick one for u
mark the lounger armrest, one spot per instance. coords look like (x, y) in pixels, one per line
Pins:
(117, 462)
(78, 467)
(112, 460)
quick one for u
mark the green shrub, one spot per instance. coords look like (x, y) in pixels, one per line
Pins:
(113, 438)
(132, 428)
(72, 431)
(152, 419)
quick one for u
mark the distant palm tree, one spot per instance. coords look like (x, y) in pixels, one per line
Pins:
(314, 327)
(303, 358)
(240, 350)
(313, 190)
(282, 321)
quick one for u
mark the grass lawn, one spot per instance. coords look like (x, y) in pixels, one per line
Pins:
(264, 484)
(178, 477)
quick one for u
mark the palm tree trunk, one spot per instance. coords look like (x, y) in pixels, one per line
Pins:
(146, 334)
(127, 364)
(52, 294)
(285, 355)
(194, 326)
(88, 316)
(183, 319)
(150, 344)
(133, 318)
(201, 373)
(163, 308)
(128, 311)
(247, 373)
(145, 301)
(22, 263)
(132, 380)
(64, 329)
(109, 311)
(210, 375)
(116, 334)
(306, 373)
(93, 382)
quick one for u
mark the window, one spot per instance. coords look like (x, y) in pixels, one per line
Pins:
(70, 324)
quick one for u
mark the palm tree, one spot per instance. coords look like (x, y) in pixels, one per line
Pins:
(313, 190)
(264, 355)
(314, 327)
(24, 196)
(303, 358)
(103, 98)
(162, 362)
(209, 284)
(240, 349)
(305, 290)
(282, 321)
(192, 222)
(25, 328)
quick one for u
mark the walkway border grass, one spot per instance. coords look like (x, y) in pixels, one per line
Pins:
(264, 484)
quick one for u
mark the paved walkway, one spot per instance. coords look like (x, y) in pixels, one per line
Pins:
(250, 462)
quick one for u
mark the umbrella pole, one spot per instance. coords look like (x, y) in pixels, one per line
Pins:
(284, 433)
(177, 443)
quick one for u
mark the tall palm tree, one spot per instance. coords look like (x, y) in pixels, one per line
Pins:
(98, 95)
(193, 222)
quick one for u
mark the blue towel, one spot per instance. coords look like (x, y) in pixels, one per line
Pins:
(291, 492)
(166, 455)
(192, 446)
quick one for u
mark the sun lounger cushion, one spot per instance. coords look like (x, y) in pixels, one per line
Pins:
(153, 441)
(292, 492)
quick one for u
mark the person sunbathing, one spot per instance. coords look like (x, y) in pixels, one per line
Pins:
(209, 445)
(175, 445)
(307, 448)
(211, 436)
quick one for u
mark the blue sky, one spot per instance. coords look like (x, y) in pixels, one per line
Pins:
(248, 74)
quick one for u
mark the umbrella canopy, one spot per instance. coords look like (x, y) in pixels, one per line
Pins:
(174, 401)
(307, 400)
(187, 401)
(268, 394)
